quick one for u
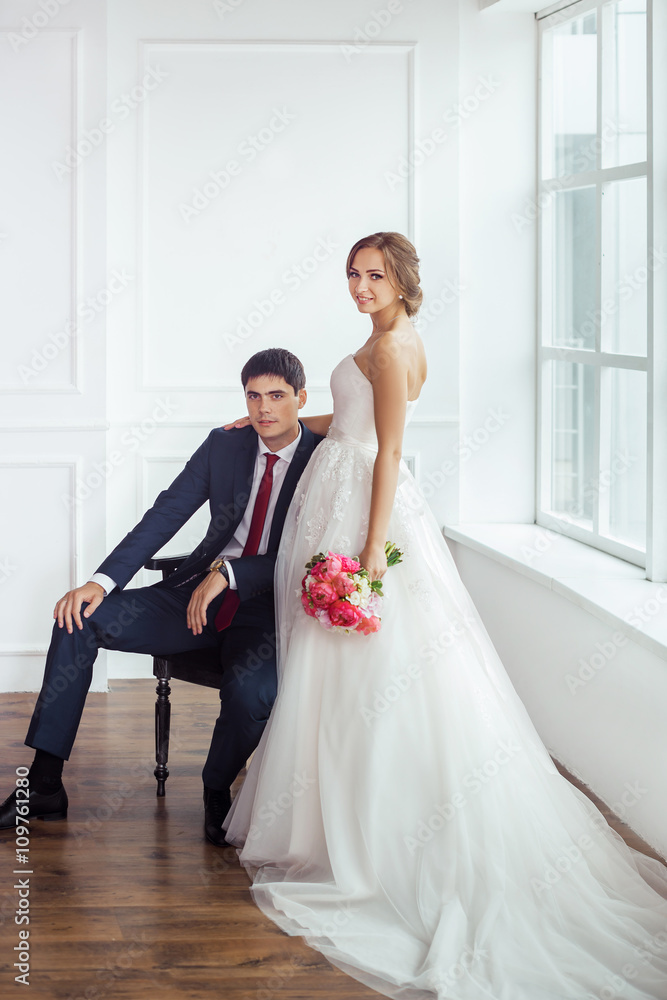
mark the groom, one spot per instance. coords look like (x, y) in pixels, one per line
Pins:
(221, 596)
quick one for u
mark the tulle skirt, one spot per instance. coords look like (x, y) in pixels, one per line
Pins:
(401, 812)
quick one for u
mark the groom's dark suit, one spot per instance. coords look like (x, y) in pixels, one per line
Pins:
(153, 619)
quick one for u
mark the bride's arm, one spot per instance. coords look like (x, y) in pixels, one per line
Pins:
(390, 400)
(317, 424)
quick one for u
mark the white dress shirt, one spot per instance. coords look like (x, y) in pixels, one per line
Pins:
(234, 547)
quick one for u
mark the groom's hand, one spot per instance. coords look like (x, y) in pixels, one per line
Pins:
(69, 607)
(212, 585)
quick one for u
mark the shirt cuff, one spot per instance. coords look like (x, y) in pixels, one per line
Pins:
(104, 581)
(232, 578)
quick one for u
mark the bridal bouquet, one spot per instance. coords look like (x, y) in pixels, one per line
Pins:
(339, 593)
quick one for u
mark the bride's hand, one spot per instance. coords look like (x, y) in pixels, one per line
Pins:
(241, 422)
(373, 559)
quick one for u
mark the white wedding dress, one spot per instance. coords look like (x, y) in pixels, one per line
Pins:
(401, 812)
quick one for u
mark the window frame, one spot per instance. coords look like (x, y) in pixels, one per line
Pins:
(654, 559)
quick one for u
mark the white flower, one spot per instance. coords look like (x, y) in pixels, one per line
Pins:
(355, 598)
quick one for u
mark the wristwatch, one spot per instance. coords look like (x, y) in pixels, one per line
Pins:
(221, 566)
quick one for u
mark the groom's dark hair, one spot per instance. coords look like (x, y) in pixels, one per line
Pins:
(275, 361)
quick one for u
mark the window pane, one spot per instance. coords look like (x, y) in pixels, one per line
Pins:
(574, 275)
(595, 269)
(573, 97)
(624, 73)
(626, 476)
(573, 478)
(624, 270)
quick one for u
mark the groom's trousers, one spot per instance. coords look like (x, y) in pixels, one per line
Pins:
(153, 620)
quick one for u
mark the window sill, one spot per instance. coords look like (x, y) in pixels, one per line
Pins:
(615, 591)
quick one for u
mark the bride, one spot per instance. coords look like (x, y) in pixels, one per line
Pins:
(401, 812)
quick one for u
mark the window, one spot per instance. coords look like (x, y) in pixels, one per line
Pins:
(599, 471)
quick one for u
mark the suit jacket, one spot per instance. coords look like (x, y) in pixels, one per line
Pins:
(220, 472)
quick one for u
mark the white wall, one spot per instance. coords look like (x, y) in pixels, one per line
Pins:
(609, 730)
(497, 317)
(52, 317)
(157, 96)
(470, 76)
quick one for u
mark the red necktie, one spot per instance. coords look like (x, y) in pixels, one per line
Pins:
(231, 600)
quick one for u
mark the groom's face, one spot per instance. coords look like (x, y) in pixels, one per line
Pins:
(273, 408)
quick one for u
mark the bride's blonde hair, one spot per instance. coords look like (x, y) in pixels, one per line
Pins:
(402, 265)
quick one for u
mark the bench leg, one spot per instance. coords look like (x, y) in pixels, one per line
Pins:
(162, 720)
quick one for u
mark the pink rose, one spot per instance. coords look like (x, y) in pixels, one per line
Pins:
(334, 564)
(369, 625)
(344, 614)
(349, 565)
(344, 584)
(319, 570)
(321, 593)
(308, 606)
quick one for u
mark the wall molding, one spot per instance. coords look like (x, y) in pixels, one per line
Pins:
(76, 100)
(74, 464)
(258, 46)
(106, 425)
(57, 425)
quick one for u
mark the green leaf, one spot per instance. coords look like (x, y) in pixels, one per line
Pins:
(393, 553)
(320, 557)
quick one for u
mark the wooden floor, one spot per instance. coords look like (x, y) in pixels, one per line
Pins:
(127, 900)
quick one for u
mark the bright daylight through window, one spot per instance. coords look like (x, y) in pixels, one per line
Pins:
(595, 275)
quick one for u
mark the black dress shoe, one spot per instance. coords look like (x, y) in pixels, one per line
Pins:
(39, 807)
(216, 807)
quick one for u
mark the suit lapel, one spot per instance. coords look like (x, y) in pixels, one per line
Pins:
(235, 466)
(244, 467)
(297, 465)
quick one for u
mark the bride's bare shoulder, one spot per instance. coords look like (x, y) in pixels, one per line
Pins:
(402, 345)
